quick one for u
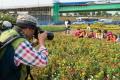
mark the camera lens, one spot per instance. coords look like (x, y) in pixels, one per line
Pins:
(50, 35)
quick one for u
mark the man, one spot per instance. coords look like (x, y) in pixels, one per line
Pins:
(67, 25)
(5, 26)
(88, 27)
(19, 52)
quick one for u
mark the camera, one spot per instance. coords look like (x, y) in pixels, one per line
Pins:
(50, 35)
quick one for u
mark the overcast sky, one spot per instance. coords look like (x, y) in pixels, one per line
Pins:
(35, 3)
(76, 0)
(25, 3)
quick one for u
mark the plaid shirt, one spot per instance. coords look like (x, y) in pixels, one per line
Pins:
(27, 55)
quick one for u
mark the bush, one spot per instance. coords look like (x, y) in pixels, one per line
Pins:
(7, 17)
(73, 58)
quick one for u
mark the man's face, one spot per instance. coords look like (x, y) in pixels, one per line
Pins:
(28, 32)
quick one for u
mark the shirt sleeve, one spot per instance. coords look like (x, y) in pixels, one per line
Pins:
(27, 55)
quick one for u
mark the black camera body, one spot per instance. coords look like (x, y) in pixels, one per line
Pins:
(50, 35)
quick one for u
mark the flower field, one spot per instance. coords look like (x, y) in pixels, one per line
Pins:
(72, 58)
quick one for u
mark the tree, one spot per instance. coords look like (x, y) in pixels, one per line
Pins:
(103, 13)
(117, 14)
(98, 13)
(7, 17)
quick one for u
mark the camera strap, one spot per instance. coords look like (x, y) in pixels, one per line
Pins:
(28, 73)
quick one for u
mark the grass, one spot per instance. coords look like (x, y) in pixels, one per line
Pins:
(53, 28)
(56, 28)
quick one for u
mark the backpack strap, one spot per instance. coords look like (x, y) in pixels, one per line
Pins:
(9, 40)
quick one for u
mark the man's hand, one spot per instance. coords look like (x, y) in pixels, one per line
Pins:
(42, 37)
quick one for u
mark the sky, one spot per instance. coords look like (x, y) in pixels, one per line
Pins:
(24, 3)
(76, 0)
(27, 3)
